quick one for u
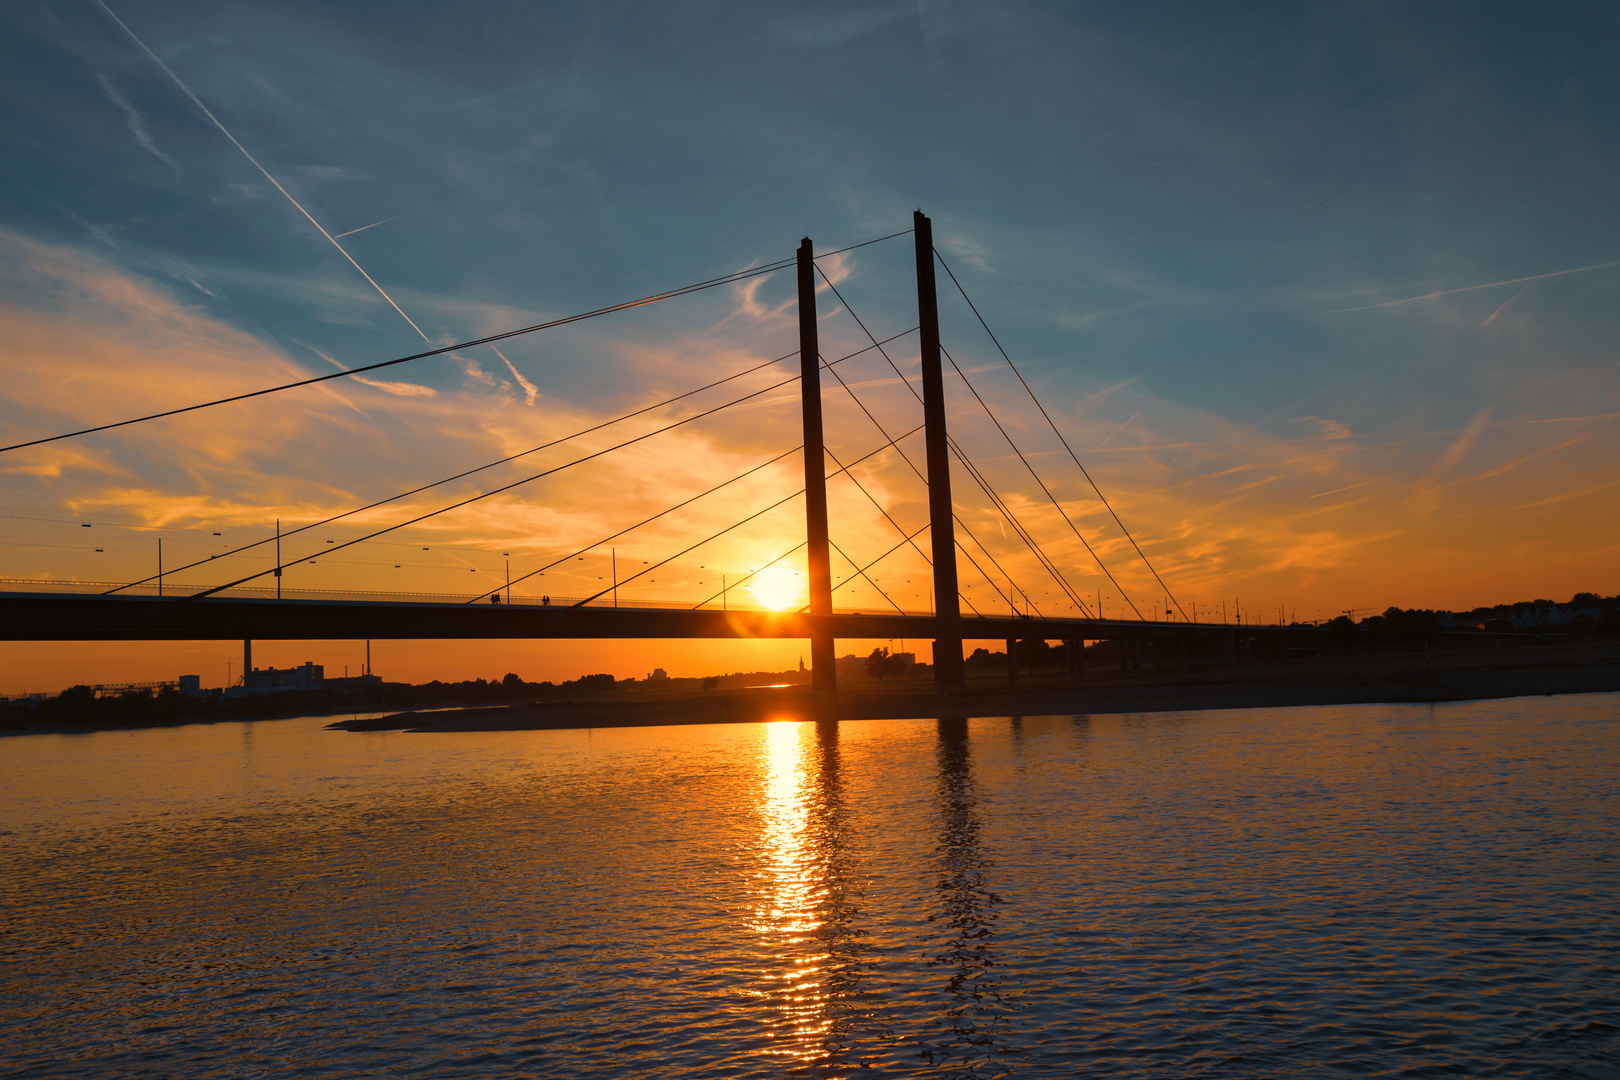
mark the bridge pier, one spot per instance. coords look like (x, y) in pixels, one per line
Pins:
(1181, 656)
(1077, 659)
(1012, 663)
(247, 659)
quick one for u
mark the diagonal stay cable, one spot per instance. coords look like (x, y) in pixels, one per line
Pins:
(1037, 477)
(661, 513)
(954, 515)
(880, 509)
(997, 342)
(505, 487)
(714, 536)
(490, 465)
(694, 547)
(685, 290)
(978, 478)
(861, 572)
(1023, 532)
(639, 524)
(468, 472)
(750, 574)
(610, 309)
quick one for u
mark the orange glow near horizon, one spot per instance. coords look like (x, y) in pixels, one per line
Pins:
(1309, 515)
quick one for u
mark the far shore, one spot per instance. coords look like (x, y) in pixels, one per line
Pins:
(1451, 675)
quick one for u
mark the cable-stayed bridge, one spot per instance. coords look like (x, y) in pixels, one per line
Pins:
(160, 607)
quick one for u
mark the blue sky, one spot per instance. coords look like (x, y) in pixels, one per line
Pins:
(1254, 262)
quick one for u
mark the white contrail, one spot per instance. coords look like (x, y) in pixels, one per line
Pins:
(363, 228)
(1472, 288)
(206, 112)
(1350, 487)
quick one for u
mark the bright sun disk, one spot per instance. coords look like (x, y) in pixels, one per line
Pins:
(777, 588)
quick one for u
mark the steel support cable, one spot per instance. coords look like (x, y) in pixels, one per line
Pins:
(1025, 535)
(661, 513)
(639, 524)
(694, 547)
(1019, 528)
(504, 487)
(880, 509)
(490, 465)
(740, 276)
(751, 573)
(685, 290)
(954, 516)
(956, 451)
(861, 571)
(978, 478)
(463, 475)
(1037, 478)
(1072, 456)
(722, 532)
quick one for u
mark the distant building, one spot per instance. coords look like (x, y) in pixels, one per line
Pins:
(850, 667)
(271, 680)
(191, 686)
(658, 675)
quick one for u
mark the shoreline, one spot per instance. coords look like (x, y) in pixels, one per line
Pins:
(1404, 679)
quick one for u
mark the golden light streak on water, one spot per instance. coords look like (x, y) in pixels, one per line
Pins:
(789, 914)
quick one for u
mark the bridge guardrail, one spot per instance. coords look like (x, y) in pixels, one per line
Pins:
(251, 592)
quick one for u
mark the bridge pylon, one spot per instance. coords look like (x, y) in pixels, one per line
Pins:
(948, 674)
(823, 662)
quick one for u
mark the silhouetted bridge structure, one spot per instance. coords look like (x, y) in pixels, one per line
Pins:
(156, 609)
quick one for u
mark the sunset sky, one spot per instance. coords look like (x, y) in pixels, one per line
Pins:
(1324, 297)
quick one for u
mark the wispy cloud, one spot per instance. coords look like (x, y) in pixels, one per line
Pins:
(530, 391)
(398, 389)
(1459, 448)
(137, 126)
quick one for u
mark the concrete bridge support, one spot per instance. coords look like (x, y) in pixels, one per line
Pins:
(1012, 663)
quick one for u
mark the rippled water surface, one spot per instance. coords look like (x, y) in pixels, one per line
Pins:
(1377, 890)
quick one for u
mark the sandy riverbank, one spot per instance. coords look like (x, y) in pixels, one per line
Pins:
(1449, 675)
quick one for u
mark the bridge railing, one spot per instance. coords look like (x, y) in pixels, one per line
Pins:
(178, 590)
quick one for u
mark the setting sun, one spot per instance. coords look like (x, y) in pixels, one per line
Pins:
(777, 588)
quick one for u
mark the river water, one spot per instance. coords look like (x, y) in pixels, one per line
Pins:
(1372, 890)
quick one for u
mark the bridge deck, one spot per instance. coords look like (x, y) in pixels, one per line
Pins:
(80, 616)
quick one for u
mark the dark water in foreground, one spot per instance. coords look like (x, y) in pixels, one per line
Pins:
(1377, 890)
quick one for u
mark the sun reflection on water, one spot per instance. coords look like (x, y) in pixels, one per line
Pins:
(790, 912)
